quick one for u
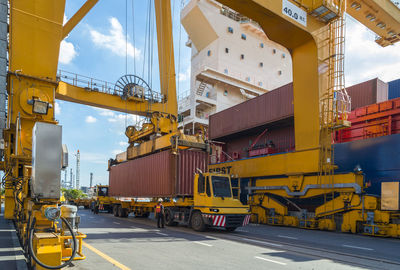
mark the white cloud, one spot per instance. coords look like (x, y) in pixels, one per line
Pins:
(124, 144)
(65, 19)
(90, 119)
(114, 40)
(184, 76)
(57, 108)
(67, 52)
(365, 59)
(107, 113)
(120, 118)
(117, 151)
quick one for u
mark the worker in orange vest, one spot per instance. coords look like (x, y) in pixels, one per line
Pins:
(160, 214)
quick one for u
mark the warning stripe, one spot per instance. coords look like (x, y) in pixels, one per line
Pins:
(217, 220)
(223, 221)
(246, 220)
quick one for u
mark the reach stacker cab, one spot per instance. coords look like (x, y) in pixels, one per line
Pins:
(214, 204)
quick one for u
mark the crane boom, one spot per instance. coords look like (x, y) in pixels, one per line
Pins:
(380, 16)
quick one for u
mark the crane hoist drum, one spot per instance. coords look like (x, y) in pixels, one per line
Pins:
(132, 86)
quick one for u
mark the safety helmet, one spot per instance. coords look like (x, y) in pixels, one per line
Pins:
(160, 200)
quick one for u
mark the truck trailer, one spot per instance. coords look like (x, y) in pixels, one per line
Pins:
(199, 200)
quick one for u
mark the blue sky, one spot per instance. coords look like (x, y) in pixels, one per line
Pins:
(96, 48)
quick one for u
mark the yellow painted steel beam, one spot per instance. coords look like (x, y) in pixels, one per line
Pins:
(291, 187)
(35, 35)
(284, 164)
(80, 95)
(380, 16)
(298, 38)
(166, 54)
(78, 16)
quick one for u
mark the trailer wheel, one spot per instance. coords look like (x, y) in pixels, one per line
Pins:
(116, 210)
(125, 212)
(122, 212)
(197, 222)
(230, 229)
(169, 219)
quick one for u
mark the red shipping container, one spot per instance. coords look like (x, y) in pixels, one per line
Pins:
(381, 119)
(388, 105)
(267, 108)
(282, 138)
(373, 109)
(161, 174)
(367, 93)
(277, 105)
(361, 111)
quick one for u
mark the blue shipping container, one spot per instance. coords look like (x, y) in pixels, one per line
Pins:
(379, 159)
(394, 89)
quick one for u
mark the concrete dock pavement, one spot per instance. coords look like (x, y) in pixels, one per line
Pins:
(11, 253)
(136, 243)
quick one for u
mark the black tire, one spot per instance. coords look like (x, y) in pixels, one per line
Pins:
(230, 229)
(116, 210)
(125, 212)
(169, 219)
(197, 222)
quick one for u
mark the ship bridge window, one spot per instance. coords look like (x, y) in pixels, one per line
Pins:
(209, 53)
(242, 56)
(274, 51)
(261, 45)
(226, 50)
(225, 93)
(283, 55)
(261, 64)
(230, 30)
(244, 37)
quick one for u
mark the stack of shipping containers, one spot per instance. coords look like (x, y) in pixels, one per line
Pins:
(264, 125)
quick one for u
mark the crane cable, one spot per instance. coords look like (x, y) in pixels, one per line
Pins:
(179, 50)
(134, 49)
(126, 58)
(133, 37)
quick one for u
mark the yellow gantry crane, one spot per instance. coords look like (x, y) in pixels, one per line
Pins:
(32, 154)
(313, 31)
